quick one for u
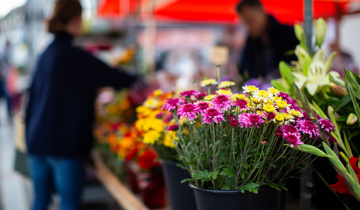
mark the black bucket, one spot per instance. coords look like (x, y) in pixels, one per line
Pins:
(180, 194)
(266, 199)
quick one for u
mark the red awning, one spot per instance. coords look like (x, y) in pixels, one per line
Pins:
(117, 8)
(223, 11)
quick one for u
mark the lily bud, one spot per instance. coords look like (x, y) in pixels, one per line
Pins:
(352, 119)
(320, 31)
(337, 89)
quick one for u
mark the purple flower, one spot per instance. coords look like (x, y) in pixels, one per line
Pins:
(203, 105)
(171, 104)
(188, 110)
(241, 103)
(212, 115)
(200, 95)
(289, 129)
(250, 120)
(327, 125)
(173, 127)
(222, 102)
(234, 122)
(293, 139)
(189, 93)
(308, 127)
(169, 117)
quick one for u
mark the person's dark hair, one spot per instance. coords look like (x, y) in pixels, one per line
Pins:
(64, 11)
(256, 4)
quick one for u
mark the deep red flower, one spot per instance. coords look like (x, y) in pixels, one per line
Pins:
(340, 186)
(148, 160)
(131, 155)
(278, 132)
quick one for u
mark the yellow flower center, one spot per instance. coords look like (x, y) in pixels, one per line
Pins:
(281, 104)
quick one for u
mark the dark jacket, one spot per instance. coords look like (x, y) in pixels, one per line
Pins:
(60, 111)
(259, 60)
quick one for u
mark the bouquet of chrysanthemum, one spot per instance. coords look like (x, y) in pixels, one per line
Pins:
(156, 125)
(233, 141)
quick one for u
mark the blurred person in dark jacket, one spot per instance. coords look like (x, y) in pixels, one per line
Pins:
(4, 72)
(60, 111)
(268, 42)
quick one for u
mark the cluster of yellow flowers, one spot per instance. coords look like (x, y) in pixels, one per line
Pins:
(152, 121)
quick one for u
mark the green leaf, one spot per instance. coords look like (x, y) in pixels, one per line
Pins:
(250, 187)
(202, 175)
(354, 133)
(228, 172)
(355, 103)
(352, 172)
(311, 149)
(335, 159)
(352, 82)
(279, 84)
(285, 71)
(318, 110)
(185, 180)
(344, 100)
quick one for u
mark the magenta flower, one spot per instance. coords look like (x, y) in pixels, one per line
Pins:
(234, 122)
(200, 95)
(250, 120)
(203, 105)
(293, 139)
(189, 93)
(169, 117)
(241, 103)
(289, 129)
(327, 125)
(160, 115)
(173, 127)
(212, 115)
(171, 104)
(308, 127)
(222, 102)
(279, 132)
(188, 110)
(264, 142)
(270, 115)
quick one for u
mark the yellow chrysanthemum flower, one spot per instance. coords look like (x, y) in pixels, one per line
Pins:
(157, 92)
(281, 104)
(143, 110)
(277, 98)
(287, 116)
(209, 97)
(208, 82)
(224, 92)
(259, 112)
(250, 89)
(262, 93)
(153, 124)
(273, 90)
(279, 118)
(237, 96)
(226, 84)
(256, 100)
(151, 137)
(151, 103)
(269, 108)
(295, 113)
(169, 139)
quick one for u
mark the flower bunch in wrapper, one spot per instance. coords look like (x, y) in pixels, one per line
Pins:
(241, 141)
(156, 126)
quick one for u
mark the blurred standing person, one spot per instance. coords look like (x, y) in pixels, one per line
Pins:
(267, 44)
(60, 112)
(4, 72)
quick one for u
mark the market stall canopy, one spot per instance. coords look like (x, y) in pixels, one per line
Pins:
(215, 11)
(116, 9)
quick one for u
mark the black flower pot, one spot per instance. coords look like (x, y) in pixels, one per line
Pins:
(180, 194)
(266, 199)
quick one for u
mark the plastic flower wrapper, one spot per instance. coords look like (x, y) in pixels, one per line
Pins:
(238, 141)
(157, 126)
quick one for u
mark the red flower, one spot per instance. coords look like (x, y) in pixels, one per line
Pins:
(147, 160)
(131, 155)
(340, 186)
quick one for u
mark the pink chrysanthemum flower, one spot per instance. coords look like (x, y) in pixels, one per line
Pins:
(222, 102)
(250, 120)
(171, 104)
(308, 127)
(212, 115)
(203, 105)
(200, 95)
(327, 125)
(293, 139)
(168, 118)
(188, 110)
(189, 93)
(270, 115)
(241, 103)
(173, 127)
(289, 129)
